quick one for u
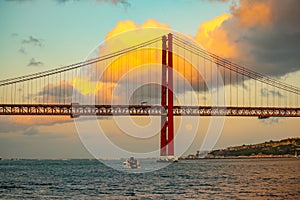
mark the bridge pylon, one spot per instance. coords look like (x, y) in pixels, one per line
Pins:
(167, 121)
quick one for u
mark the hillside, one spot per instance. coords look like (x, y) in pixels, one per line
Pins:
(284, 148)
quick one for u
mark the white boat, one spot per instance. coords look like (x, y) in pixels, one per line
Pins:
(131, 163)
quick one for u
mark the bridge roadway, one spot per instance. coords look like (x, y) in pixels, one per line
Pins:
(76, 110)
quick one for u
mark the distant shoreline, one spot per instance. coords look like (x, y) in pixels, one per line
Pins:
(254, 157)
(285, 148)
(244, 157)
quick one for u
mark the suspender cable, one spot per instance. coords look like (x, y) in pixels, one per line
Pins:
(255, 91)
(243, 87)
(204, 81)
(191, 79)
(230, 98)
(267, 95)
(224, 85)
(211, 82)
(217, 74)
(184, 75)
(237, 88)
(249, 93)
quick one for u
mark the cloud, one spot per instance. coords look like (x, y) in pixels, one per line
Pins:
(57, 92)
(14, 35)
(13, 123)
(214, 39)
(276, 94)
(129, 25)
(124, 3)
(264, 35)
(31, 131)
(128, 33)
(29, 125)
(33, 41)
(35, 63)
(264, 92)
(78, 89)
(22, 50)
(7, 126)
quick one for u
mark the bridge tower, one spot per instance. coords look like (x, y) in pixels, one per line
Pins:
(167, 120)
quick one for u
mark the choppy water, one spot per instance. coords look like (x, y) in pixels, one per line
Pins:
(197, 179)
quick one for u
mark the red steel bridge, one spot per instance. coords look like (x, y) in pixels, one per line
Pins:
(167, 76)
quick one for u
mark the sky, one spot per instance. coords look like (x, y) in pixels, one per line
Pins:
(41, 35)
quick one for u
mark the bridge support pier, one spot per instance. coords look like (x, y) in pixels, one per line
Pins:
(167, 121)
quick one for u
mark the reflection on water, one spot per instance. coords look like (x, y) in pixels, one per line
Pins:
(201, 179)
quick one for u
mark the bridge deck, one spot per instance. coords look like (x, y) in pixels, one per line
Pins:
(76, 110)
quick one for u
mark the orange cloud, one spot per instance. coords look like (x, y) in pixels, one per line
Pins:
(37, 120)
(127, 34)
(151, 23)
(128, 25)
(219, 34)
(215, 39)
(122, 26)
(84, 86)
(125, 37)
(251, 13)
(94, 90)
(135, 65)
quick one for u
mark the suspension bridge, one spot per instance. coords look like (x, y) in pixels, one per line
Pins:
(167, 76)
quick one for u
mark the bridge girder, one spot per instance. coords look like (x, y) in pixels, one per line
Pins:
(144, 110)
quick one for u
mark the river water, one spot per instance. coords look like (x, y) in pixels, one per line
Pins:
(193, 179)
